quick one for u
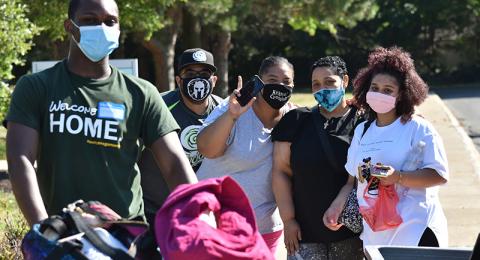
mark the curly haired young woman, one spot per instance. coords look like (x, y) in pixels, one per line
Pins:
(389, 88)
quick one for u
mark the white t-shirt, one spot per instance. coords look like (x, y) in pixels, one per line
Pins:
(419, 208)
(248, 159)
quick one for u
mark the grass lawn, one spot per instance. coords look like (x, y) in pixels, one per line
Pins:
(3, 151)
(9, 209)
(12, 227)
(303, 97)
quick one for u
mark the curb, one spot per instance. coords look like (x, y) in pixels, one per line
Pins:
(474, 154)
(3, 166)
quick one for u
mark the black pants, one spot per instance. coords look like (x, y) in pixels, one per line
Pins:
(428, 239)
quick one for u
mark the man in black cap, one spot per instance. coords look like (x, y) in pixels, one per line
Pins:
(189, 104)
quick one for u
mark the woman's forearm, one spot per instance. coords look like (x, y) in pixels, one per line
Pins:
(423, 178)
(342, 195)
(282, 190)
(212, 140)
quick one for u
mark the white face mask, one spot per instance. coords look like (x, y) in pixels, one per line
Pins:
(97, 41)
(380, 103)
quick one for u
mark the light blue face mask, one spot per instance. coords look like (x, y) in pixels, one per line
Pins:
(330, 98)
(97, 41)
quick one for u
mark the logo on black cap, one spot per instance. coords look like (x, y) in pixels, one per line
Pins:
(196, 56)
(199, 56)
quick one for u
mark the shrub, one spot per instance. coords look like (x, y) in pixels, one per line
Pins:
(5, 95)
(13, 228)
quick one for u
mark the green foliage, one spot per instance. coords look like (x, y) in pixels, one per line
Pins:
(13, 227)
(147, 16)
(311, 16)
(16, 33)
(441, 35)
(49, 15)
(5, 95)
(150, 16)
(213, 11)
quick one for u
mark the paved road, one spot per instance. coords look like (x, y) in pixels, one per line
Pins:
(464, 102)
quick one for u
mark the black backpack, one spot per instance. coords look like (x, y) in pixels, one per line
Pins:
(59, 236)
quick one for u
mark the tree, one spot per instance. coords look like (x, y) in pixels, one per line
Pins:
(442, 35)
(158, 25)
(161, 25)
(16, 33)
(311, 16)
(251, 15)
(52, 43)
(216, 23)
(152, 22)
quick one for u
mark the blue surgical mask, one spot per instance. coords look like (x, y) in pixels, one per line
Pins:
(329, 98)
(97, 41)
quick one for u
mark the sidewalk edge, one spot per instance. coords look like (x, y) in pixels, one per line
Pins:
(474, 155)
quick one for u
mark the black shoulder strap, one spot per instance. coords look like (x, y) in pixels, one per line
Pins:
(365, 127)
(317, 120)
(54, 223)
(352, 113)
(96, 241)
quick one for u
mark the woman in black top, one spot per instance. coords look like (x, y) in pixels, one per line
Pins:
(310, 189)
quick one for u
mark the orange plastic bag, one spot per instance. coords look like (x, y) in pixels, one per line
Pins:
(381, 212)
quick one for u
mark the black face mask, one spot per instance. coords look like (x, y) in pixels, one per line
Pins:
(276, 95)
(197, 89)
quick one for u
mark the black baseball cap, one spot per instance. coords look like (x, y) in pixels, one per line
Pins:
(196, 56)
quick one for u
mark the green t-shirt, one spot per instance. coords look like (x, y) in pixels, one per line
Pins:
(88, 132)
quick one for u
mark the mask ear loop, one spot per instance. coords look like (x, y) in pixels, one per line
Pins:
(341, 85)
(73, 36)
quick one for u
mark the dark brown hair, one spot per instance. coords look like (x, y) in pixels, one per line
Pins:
(397, 63)
(271, 61)
(336, 63)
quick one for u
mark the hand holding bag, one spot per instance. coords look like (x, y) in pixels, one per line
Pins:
(350, 216)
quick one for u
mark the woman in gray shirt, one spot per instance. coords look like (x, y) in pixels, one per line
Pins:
(236, 141)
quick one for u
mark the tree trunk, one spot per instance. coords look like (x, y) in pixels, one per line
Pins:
(163, 53)
(162, 47)
(191, 31)
(221, 48)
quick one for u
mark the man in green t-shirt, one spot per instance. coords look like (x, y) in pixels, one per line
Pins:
(81, 121)
(189, 104)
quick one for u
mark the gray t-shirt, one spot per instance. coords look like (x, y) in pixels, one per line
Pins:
(248, 159)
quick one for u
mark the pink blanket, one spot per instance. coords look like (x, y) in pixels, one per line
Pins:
(212, 219)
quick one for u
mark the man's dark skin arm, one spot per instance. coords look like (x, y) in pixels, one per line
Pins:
(172, 162)
(22, 145)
